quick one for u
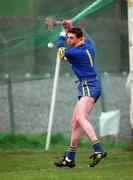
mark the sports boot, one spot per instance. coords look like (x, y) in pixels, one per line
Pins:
(64, 163)
(97, 157)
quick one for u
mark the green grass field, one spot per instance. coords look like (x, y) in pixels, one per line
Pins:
(39, 166)
(23, 158)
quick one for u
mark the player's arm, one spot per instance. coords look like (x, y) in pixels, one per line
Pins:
(61, 40)
(61, 45)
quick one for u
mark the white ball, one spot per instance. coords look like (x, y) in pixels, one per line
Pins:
(50, 45)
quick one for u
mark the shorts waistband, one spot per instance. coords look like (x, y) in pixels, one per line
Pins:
(86, 78)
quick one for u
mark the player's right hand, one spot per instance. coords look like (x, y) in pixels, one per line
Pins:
(67, 24)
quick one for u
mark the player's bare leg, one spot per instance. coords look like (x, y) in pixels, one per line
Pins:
(75, 130)
(76, 127)
(68, 159)
(79, 120)
(84, 108)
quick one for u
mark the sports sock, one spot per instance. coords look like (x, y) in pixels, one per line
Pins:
(97, 146)
(71, 154)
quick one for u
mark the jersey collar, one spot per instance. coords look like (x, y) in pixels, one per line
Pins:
(80, 42)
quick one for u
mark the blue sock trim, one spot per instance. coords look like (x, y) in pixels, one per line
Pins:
(71, 153)
(97, 146)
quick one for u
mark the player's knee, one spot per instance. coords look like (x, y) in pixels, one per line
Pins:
(73, 124)
(79, 119)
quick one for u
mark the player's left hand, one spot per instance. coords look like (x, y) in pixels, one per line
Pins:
(61, 53)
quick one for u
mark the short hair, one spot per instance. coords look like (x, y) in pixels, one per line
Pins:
(77, 31)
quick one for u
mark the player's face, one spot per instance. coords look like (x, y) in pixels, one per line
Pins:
(72, 40)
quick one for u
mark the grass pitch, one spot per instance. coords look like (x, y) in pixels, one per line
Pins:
(39, 166)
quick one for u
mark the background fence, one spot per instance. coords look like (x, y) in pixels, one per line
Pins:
(27, 65)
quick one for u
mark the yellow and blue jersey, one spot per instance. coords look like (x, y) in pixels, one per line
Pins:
(81, 57)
